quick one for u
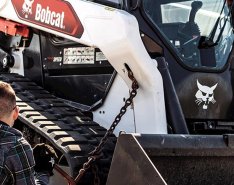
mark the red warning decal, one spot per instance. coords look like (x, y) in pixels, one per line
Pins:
(54, 14)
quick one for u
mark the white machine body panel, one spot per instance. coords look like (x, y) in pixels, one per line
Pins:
(116, 34)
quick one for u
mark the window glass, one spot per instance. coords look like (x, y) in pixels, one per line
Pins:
(199, 31)
(115, 3)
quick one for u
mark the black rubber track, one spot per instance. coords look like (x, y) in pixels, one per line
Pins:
(66, 128)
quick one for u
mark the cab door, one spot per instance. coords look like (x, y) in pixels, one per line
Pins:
(196, 40)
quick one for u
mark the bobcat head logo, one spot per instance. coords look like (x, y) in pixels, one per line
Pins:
(27, 7)
(205, 95)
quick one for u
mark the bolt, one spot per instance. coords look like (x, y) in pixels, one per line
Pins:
(4, 61)
(210, 124)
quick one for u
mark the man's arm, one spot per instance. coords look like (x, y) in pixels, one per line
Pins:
(20, 164)
(42, 178)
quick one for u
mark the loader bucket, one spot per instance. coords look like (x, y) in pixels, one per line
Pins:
(172, 160)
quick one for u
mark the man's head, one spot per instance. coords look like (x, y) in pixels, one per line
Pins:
(8, 109)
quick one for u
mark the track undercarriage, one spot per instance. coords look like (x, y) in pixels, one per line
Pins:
(45, 118)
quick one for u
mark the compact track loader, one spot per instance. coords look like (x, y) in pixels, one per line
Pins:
(126, 91)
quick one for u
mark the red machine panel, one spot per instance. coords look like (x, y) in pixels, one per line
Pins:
(54, 14)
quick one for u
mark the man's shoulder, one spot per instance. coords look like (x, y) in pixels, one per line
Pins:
(10, 136)
(12, 144)
(18, 146)
(6, 131)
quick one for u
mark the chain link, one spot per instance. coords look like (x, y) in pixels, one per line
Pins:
(95, 154)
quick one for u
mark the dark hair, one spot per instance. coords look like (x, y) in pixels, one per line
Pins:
(7, 99)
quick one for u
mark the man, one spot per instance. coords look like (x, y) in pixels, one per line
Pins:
(16, 155)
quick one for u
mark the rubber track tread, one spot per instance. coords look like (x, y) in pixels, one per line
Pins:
(66, 128)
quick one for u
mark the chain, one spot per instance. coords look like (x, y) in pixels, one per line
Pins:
(95, 154)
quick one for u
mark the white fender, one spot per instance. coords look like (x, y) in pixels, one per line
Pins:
(116, 34)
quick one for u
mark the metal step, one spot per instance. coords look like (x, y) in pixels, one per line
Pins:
(66, 128)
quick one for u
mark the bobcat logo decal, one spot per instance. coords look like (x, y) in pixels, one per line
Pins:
(27, 7)
(205, 95)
